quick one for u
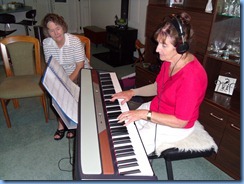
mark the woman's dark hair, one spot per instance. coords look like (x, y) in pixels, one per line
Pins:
(57, 19)
(167, 28)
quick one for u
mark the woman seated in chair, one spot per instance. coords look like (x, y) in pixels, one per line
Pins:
(179, 88)
(68, 50)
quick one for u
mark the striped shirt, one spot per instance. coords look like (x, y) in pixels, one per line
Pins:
(72, 52)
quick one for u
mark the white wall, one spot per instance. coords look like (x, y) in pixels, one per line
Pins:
(103, 13)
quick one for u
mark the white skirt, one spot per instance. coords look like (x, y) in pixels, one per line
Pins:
(153, 135)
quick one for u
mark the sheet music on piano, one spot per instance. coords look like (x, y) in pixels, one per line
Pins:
(65, 93)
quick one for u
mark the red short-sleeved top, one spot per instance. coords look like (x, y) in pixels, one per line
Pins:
(181, 94)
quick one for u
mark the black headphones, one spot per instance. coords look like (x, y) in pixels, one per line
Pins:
(183, 46)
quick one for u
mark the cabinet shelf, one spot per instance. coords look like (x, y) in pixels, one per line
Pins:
(227, 103)
(228, 16)
(229, 61)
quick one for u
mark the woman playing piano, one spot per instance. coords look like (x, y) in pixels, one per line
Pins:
(179, 88)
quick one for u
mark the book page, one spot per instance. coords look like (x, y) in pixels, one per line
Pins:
(62, 90)
(64, 78)
(68, 122)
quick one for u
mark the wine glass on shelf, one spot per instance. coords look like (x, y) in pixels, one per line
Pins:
(226, 6)
(219, 44)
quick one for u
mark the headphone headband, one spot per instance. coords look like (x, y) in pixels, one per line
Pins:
(182, 47)
(175, 21)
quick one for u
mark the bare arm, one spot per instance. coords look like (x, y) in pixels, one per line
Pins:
(149, 90)
(75, 73)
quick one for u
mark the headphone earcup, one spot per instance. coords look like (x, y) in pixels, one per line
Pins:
(182, 48)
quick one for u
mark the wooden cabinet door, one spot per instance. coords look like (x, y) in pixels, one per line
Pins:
(229, 152)
(213, 120)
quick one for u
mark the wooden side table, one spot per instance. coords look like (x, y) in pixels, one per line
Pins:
(96, 34)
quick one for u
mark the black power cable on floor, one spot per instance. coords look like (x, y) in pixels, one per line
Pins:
(67, 158)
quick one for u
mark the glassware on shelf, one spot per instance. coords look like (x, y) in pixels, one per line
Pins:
(232, 7)
(226, 55)
(226, 6)
(218, 45)
(237, 8)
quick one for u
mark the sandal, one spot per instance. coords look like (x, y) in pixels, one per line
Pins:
(70, 133)
(60, 133)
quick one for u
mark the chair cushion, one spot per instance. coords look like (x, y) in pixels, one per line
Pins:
(198, 140)
(20, 87)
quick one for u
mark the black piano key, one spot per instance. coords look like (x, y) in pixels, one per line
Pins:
(121, 138)
(104, 75)
(128, 165)
(109, 103)
(119, 133)
(119, 129)
(107, 97)
(109, 92)
(107, 87)
(114, 108)
(105, 79)
(105, 83)
(124, 151)
(113, 115)
(125, 154)
(126, 161)
(116, 125)
(123, 147)
(130, 172)
(121, 142)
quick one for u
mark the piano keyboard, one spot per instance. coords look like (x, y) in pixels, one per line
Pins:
(126, 151)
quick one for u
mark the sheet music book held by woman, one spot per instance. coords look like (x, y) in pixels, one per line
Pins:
(65, 93)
